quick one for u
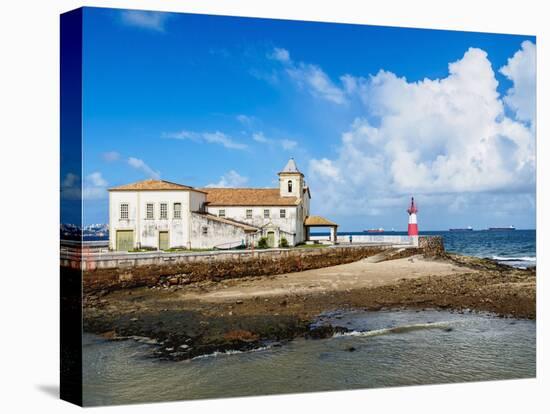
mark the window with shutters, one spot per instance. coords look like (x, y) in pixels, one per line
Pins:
(124, 211)
(149, 211)
(282, 213)
(177, 210)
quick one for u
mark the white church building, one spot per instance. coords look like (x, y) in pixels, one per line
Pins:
(158, 214)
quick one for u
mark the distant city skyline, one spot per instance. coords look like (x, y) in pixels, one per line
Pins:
(372, 115)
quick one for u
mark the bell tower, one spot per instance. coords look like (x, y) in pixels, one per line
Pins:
(291, 180)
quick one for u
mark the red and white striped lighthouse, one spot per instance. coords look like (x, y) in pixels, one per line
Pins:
(413, 224)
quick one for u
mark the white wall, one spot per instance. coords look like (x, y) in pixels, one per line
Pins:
(146, 231)
(289, 224)
(218, 234)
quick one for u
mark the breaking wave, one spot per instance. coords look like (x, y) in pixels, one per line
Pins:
(229, 352)
(515, 259)
(398, 329)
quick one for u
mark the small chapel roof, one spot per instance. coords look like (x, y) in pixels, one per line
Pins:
(318, 221)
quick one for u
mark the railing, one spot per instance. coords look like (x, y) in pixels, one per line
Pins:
(368, 239)
(89, 246)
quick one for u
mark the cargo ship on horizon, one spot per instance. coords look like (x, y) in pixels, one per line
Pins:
(469, 228)
(378, 230)
(509, 228)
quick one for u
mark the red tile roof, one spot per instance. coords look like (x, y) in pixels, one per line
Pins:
(247, 197)
(154, 185)
(318, 221)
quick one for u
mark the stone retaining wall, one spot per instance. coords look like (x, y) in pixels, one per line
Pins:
(206, 267)
(114, 270)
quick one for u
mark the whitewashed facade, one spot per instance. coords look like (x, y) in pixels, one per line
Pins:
(156, 214)
(278, 212)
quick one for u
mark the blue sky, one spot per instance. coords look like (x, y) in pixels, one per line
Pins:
(372, 115)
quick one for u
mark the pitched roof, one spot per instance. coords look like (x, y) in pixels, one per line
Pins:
(247, 197)
(153, 185)
(244, 226)
(290, 167)
(318, 221)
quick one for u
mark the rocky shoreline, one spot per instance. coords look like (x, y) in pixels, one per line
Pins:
(183, 324)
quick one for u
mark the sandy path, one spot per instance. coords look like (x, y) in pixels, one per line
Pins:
(337, 278)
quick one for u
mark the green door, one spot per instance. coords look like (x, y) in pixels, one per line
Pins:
(124, 240)
(163, 240)
(271, 238)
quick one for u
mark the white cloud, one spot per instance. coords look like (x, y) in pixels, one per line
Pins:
(232, 179)
(521, 70)
(208, 137)
(140, 165)
(94, 187)
(285, 144)
(144, 19)
(317, 82)
(71, 187)
(439, 138)
(325, 169)
(70, 180)
(246, 120)
(110, 156)
(288, 144)
(309, 77)
(281, 55)
(260, 137)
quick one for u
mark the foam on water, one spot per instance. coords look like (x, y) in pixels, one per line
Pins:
(230, 352)
(398, 329)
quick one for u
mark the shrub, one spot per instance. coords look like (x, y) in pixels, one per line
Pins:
(283, 242)
(262, 243)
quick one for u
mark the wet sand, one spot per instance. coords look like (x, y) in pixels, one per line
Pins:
(194, 319)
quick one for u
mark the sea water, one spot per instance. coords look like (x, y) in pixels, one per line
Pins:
(381, 349)
(511, 247)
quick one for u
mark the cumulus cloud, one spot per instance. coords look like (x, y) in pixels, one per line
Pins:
(231, 179)
(521, 70)
(216, 137)
(436, 137)
(309, 77)
(144, 19)
(140, 165)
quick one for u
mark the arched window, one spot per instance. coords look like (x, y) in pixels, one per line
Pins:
(290, 186)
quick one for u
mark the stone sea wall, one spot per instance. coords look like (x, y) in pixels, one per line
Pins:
(431, 245)
(114, 270)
